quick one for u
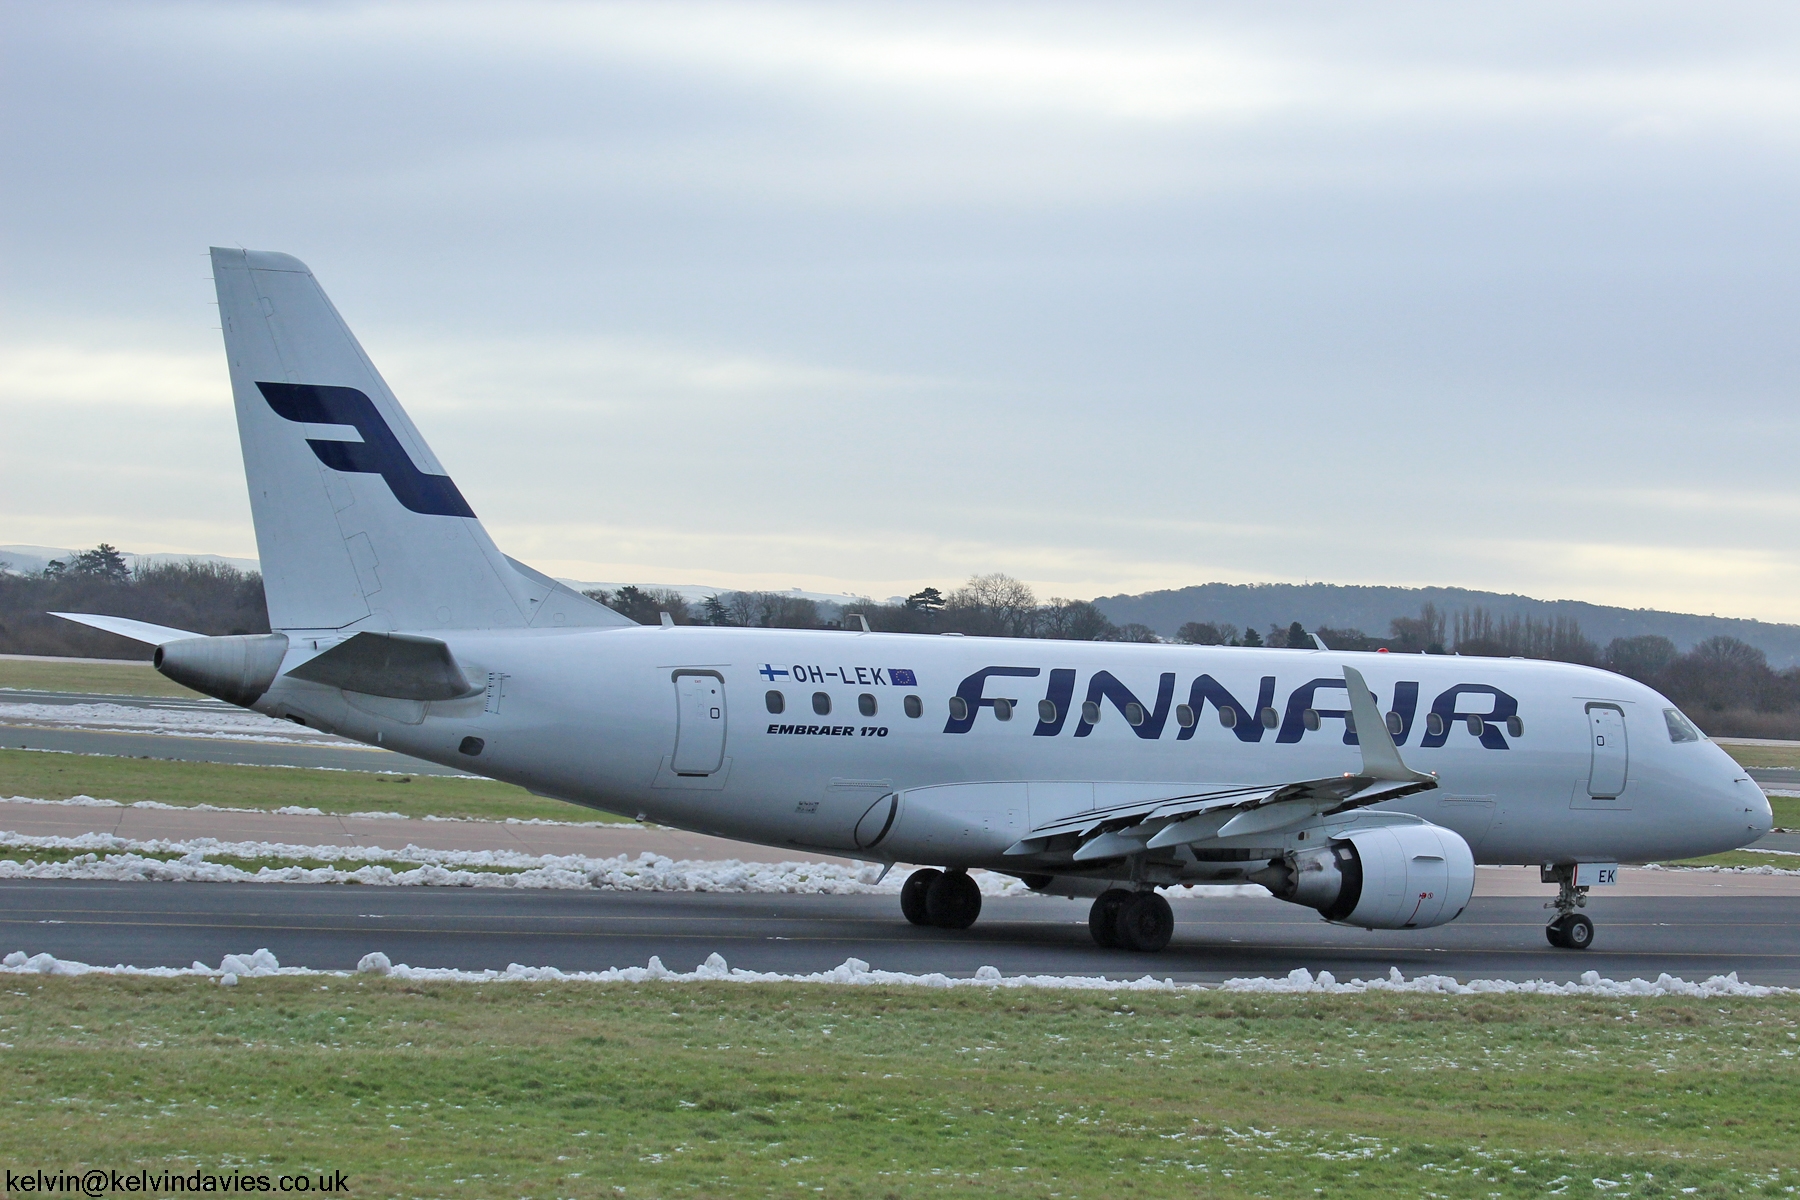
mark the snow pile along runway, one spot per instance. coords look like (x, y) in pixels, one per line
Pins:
(855, 972)
(106, 856)
(225, 722)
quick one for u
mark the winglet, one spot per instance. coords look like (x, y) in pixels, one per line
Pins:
(1381, 758)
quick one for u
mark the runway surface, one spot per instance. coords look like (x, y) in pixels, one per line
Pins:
(331, 927)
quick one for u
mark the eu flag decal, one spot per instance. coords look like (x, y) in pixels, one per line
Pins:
(902, 678)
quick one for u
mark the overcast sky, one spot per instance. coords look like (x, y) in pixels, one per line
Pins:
(863, 298)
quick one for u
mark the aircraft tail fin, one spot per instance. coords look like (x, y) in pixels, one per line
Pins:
(358, 526)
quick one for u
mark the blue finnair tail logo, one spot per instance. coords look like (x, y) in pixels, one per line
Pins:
(379, 452)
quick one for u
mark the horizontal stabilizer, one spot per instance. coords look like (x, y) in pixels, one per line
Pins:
(398, 665)
(137, 631)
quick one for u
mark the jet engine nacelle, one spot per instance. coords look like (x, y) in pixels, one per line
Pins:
(1381, 877)
(238, 669)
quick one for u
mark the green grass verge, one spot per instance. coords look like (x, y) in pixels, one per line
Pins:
(1743, 858)
(30, 854)
(1764, 756)
(112, 679)
(733, 1090)
(1787, 811)
(60, 776)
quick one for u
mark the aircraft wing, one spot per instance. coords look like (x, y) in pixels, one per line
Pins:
(1182, 817)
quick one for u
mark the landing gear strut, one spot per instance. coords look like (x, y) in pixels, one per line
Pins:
(946, 899)
(1122, 919)
(1570, 930)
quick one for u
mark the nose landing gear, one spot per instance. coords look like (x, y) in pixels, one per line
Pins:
(1570, 930)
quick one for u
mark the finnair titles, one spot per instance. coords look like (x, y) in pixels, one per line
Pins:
(1364, 786)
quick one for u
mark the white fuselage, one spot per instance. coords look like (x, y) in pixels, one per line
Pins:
(596, 717)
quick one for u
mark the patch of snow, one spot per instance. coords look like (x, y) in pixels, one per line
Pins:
(856, 972)
(111, 857)
(229, 723)
(1301, 980)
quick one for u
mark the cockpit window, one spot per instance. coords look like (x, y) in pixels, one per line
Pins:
(1680, 728)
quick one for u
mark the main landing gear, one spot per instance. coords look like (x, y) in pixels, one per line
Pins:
(1126, 920)
(1570, 930)
(946, 899)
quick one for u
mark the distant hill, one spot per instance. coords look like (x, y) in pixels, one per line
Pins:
(1371, 608)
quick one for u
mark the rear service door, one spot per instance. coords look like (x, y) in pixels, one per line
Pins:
(700, 722)
(1608, 767)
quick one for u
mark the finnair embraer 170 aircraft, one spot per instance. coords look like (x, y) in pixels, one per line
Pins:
(1365, 786)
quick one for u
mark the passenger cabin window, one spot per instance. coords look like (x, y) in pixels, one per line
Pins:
(1270, 718)
(775, 701)
(1003, 710)
(865, 704)
(822, 703)
(1184, 716)
(1134, 713)
(1680, 728)
(1047, 711)
(1515, 725)
(1228, 717)
(1310, 718)
(959, 708)
(1090, 712)
(1434, 725)
(1395, 724)
(1477, 726)
(914, 706)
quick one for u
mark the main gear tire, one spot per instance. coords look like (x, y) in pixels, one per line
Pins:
(912, 894)
(1145, 923)
(953, 901)
(1103, 917)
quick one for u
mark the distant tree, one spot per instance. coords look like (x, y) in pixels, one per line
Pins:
(1425, 632)
(1073, 620)
(1206, 633)
(208, 598)
(1724, 673)
(1559, 638)
(645, 605)
(761, 610)
(713, 611)
(1297, 639)
(1643, 658)
(926, 600)
(1348, 639)
(994, 605)
(1251, 637)
(1135, 632)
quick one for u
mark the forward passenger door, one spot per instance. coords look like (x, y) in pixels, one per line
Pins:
(699, 722)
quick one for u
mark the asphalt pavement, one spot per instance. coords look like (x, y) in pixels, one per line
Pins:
(169, 924)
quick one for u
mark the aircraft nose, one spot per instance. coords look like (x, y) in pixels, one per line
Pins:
(1747, 797)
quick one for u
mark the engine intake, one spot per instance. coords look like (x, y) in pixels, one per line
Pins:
(238, 669)
(1382, 877)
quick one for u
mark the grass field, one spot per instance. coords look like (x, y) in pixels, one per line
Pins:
(60, 776)
(730, 1090)
(112, 679)
(1764, 756)
(1743, 858)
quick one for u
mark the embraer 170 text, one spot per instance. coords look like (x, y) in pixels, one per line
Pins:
(1366, 786)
